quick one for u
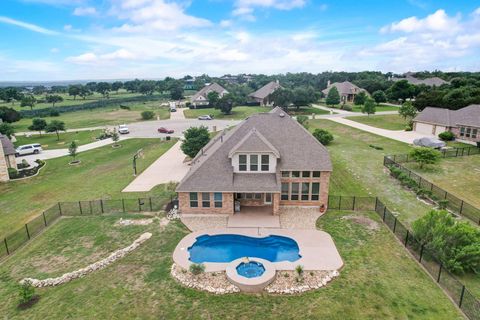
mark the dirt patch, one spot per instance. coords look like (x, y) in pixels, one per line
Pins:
(364, 221)
(50, 264)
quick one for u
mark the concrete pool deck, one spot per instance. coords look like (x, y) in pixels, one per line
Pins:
(317, 248)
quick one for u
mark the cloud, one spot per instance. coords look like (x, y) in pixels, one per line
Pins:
(245, 8)
(54, 50)
(438, 21)
(26, 25)
(85, 11)
(92, 58)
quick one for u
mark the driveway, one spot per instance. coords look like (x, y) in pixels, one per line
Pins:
(169, 167)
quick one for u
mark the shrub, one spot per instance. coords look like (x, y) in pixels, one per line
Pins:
(299, 270)
(323, 136)
(54, 113)
(375, 147)
(124, 107)
(197, 268)
(442, 204)
(424, 155)
(148, 115)
(446, 136)
(13, 173)
(26, 292)
(303, 120)
(22, 165)
(347, 107)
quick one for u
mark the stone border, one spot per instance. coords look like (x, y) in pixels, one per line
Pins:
(256, 284)
(80, 273)
(34, 175)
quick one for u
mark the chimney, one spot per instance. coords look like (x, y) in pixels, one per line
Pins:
(328, 83)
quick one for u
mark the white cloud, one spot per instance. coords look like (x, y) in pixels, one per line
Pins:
(245, 8)
(225, 23)
(54, 50)
(92, 58)
(85, 11)
(26, 25)
(438, 21)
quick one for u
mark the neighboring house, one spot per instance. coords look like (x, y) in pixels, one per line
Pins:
(7, 157)
(262, 95)
(201, 97)
(346, 89)
(433, 81)
(464, 123)
(269, 160)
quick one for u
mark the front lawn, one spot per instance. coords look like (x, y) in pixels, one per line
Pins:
(387, 121)
(238, 113)
(307, 111)
(379, 279)
(103, 173)
(49, 141)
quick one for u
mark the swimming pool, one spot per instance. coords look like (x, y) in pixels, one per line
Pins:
(228, 247)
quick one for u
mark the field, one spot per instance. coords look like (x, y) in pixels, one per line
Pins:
(49, 141)
(238, 113)
(389, 121)
(103, 173)
(379, 280)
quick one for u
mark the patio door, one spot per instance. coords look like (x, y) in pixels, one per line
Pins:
(268, 198)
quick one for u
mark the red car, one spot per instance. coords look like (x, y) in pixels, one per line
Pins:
(165, 130)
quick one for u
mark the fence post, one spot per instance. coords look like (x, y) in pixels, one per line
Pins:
(376, 203)
(406, 239)
(353, 204)
(101, 205)
(421, 253)
(90, 205)
(44, 219)
(150, 201)
(80, 206)
(394, 224)
(59, 208)
(461, 207)
(28, 233)
(6, 245)
(468, 152)
(123, 204)
(339, 202)
(139, 205)
(456, 155)
(461, 297)
(439, 272)
(384, 211)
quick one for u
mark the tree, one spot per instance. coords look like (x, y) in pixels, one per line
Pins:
(303, 120)
(407, 110)
(39, 90)
(26, 292)
(6, 129)
(379, 96)
(117, 85)
(115, 137)
(74, 90)
(103, 88)
(282, 98)
(176, 92)
(147, 88)
(323, 136)
(38, 125)
(11, 94)
(55, 126)
(147, 115)
(401, 90)
(9, 115)
(195, 139)
(91, 86)
(213, 98)
(28, 101)
(424, 155)
(360, 98)
(369, 107)
(226, 104)
(72, 150)
(304, 96)
(333, 97)
(54, 98)
(84, 92)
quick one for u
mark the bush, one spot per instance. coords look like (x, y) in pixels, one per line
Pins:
(14, 174)
(22, 165)
(54, 113)
(197, 268)
(442, 204)
(303, 120)
(347, 107)
(424, 155)
(124, 107)
(26, 292)
(446, 136)
(148, 115)
(323, 136)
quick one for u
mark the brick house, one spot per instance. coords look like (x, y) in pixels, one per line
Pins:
(263, 95)
(7, 157)
(346, 90)
(463, 123)
(269, 160)
(201, 97)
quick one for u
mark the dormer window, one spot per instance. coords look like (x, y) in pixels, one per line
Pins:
(265, 162)
(242, 162)
(253, 162)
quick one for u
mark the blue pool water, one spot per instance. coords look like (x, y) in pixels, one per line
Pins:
(228, 247)
(250, 269)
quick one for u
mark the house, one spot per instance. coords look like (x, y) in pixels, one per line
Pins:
(433, 81)
(7, 157)
(463, 123)
(201, 97)
(346, 89)
(269, 160)
(262, 95)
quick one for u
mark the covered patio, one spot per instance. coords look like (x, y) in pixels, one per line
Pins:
(254, 217)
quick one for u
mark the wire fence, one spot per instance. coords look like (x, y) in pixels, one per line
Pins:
(435, 193)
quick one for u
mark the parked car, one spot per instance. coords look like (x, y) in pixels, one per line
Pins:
(123, 129)
(173, 109)
(165, 130)
(205, 117)
(28, 149)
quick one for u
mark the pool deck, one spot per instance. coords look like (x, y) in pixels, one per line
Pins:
(317, 248)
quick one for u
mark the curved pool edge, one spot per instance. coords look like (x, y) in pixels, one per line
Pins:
(317, 248)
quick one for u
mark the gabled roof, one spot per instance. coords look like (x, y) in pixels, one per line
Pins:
(434, 116)
(207, 89)
(254, 141)
(266, 90)
(433, 81)
(212, 168)
(344, 88)
(7, 145)
(468, 116)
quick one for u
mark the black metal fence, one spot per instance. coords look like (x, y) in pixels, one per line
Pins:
(453, 203)
(447, 153)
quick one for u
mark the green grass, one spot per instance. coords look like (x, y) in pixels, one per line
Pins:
(379, 280)
(49, 141)
(306, 111)
(388, 121)
(103, 173)
(381, 107)
(238, 113)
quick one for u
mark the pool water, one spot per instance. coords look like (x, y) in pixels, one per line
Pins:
(228, 247)
(251, 269)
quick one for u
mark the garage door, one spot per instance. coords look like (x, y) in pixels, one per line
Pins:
(424, 128)
(439, 129)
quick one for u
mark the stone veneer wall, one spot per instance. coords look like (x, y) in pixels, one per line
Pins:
(184, 204)
(3, 166)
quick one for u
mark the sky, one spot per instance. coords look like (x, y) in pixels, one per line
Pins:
(45, 40)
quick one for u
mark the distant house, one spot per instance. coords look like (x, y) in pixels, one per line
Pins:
(201, 97)
(433, 81)
(263, 94)
(346, 89)
(463, 123)
(7, 157)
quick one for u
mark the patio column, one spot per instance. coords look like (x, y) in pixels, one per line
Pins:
(275, 203)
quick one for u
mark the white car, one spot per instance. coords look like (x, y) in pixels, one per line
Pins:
(205, 117)
(28, 149)
(123, 129)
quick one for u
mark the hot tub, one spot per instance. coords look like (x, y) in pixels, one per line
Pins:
(251, 274)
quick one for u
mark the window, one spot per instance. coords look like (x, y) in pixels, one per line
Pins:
(295, 174)
(218, 198)
(285, 174)
(474, 133)
(305, 190)
(265, 162)
(316, 174)
(253, 162)
(248, 195)
(268, 198)
(462, 131)
(205, 199)
(284, 195)
(193, 200)
(239, 195)
(467, 134)
(257, 196)
(295, 189)
(315, 191)
(305, 174)
(242, 162)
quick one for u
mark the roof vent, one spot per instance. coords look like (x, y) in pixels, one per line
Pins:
(282, 114)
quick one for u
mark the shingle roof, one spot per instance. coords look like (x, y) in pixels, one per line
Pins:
(434, 116)
(299, 150)
(433, 81)
(344, 88)
(254, 141)
(207, 89)
(468, 116)
(266, 90)
(7, 145)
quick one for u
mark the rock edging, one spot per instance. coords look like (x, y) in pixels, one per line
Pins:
(213, 282)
